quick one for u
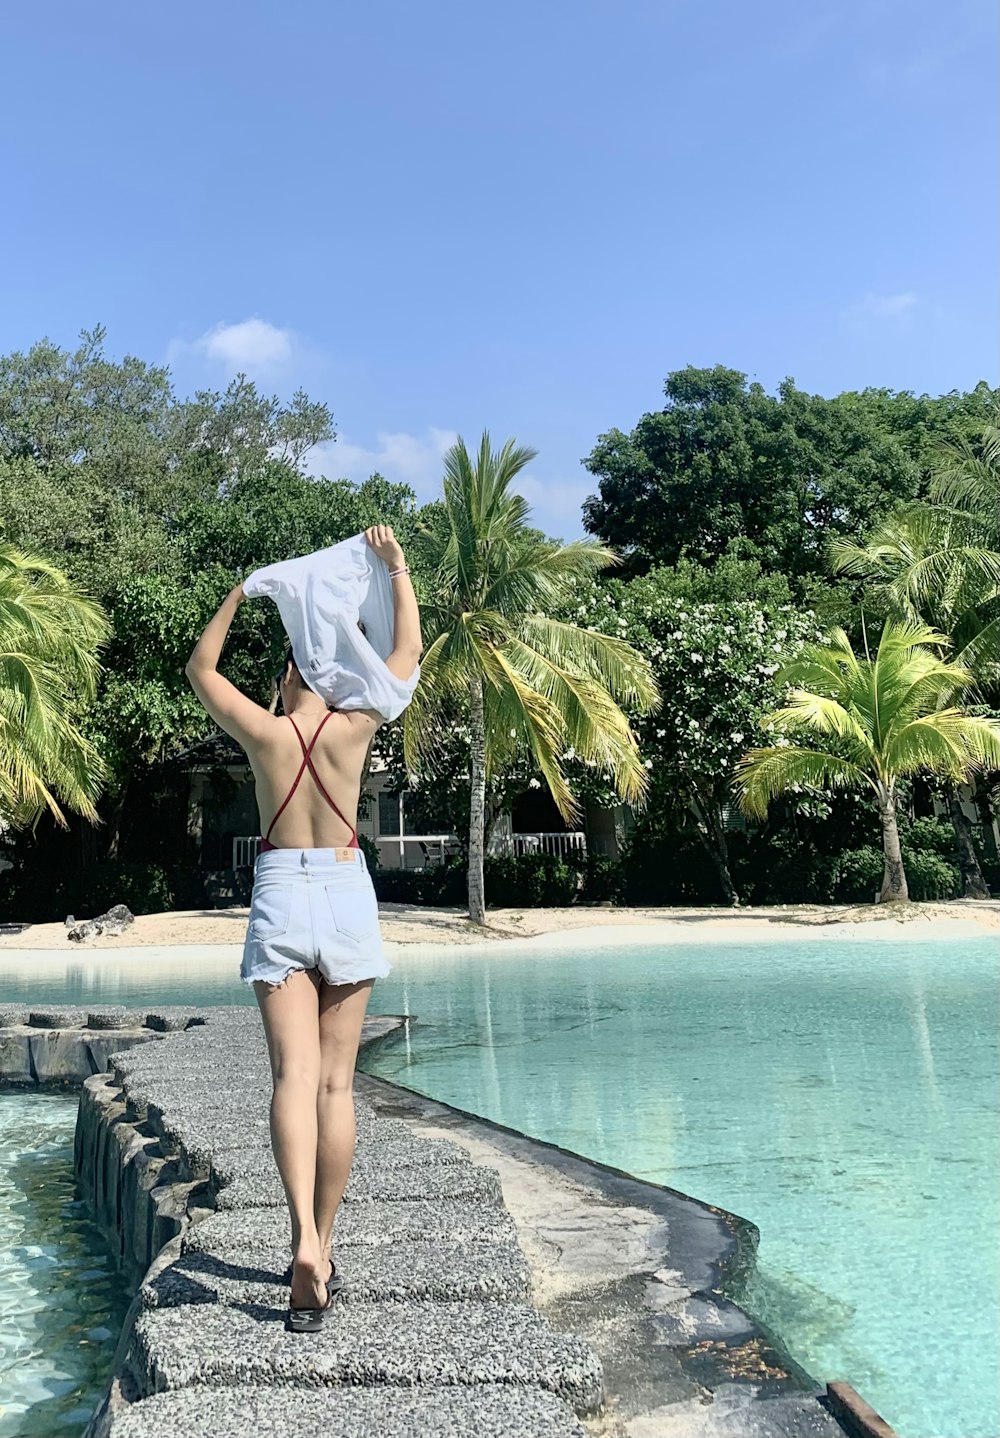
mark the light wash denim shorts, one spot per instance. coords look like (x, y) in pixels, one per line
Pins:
(313, 909)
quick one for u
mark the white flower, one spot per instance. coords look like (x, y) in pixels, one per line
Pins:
(736, 738)
(697, 658)
(660, 733)
(534, 784)
(648, 763)
(513, 733)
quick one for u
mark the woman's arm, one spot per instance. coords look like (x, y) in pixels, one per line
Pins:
(406, 640)
(239, 716)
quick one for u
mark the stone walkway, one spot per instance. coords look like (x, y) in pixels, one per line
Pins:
(434, 1332)
(449, 1326)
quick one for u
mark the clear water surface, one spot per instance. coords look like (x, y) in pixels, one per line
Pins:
(840, 1093)
(61, 1298)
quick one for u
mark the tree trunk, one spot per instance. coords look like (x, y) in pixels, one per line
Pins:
(973, 883)
(981, 799)
(115, 822)
(894, 887)
(477, 803)
(712, 832)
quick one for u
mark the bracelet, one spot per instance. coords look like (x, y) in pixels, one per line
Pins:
(393, 572)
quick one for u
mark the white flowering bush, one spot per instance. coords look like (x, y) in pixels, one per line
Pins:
(715, 664)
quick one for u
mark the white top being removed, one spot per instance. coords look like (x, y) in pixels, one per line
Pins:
(320, 598)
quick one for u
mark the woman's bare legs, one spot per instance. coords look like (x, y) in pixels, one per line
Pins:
(291, 1024)
(341, 1013)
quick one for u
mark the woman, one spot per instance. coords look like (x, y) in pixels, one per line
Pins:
(313, 948)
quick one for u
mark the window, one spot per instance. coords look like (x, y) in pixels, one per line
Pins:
(388, 813)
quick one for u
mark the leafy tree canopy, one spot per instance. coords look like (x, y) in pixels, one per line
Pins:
(726, 464)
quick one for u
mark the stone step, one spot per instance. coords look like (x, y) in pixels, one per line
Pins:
(262, 1187)
(483, 1411)
(363, 1344)
(427, 1271)
(231, 1164)
(362, 1222)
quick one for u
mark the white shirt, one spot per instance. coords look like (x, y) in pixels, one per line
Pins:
(320, 598)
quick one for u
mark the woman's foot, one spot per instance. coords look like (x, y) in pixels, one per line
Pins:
(310, 1274)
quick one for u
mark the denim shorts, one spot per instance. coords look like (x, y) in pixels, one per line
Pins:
(313, 909)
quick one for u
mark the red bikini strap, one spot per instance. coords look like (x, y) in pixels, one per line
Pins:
(320, 786)
(307, 763)
(295, 782)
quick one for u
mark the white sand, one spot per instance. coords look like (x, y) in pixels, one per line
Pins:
(427, 930)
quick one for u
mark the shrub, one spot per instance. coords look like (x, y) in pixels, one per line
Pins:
(672, 869)
(934, 836)
(859, 876)
(398, 886)
(42, 898)
(603, 880)
(931, 877)
(371, 852)
(530, 881)
(928, 875)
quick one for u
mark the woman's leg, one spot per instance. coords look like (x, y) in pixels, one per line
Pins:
(341, 1013)
(290, 1014)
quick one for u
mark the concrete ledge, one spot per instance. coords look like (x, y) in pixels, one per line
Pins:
(486, 1411)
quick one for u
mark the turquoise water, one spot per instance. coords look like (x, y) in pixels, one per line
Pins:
(61, 1303)
(842, 1094)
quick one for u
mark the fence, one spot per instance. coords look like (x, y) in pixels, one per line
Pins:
(435, 848)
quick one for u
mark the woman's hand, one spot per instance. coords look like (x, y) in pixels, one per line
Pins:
(385, 545)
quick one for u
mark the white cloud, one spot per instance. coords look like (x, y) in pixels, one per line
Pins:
(252, 347)
(400, 457)
(418, 460)
(555, 504)
(880, 308)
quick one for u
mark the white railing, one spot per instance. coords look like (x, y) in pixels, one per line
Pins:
(435, 848)
(432, 847)
(544, 843)
(245, 851)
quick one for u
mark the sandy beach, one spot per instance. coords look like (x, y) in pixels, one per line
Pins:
(406, 924)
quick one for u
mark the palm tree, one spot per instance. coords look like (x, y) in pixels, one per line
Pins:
(49, 637)
(939, 563)
(528, 682)
(875, 721)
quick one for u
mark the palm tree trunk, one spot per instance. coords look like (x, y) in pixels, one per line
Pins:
(894, 886)
(477, 803)
(973, 883)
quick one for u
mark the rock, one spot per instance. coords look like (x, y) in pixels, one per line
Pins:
(114, 922)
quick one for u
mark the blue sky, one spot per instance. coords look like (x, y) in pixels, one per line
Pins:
(449, 216)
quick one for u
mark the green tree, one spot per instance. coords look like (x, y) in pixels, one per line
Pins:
(98, 457)
(49, 638)
(874, 721)
(939, 562)
(715, 664)
(726, 467)
(530, 681)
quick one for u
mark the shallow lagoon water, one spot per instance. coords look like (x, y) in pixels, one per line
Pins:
(61, 1299)
(841, 1093)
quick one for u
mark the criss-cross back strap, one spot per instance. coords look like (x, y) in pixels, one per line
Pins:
(307, 763)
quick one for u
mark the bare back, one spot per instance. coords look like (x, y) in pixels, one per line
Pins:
(308, 821)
